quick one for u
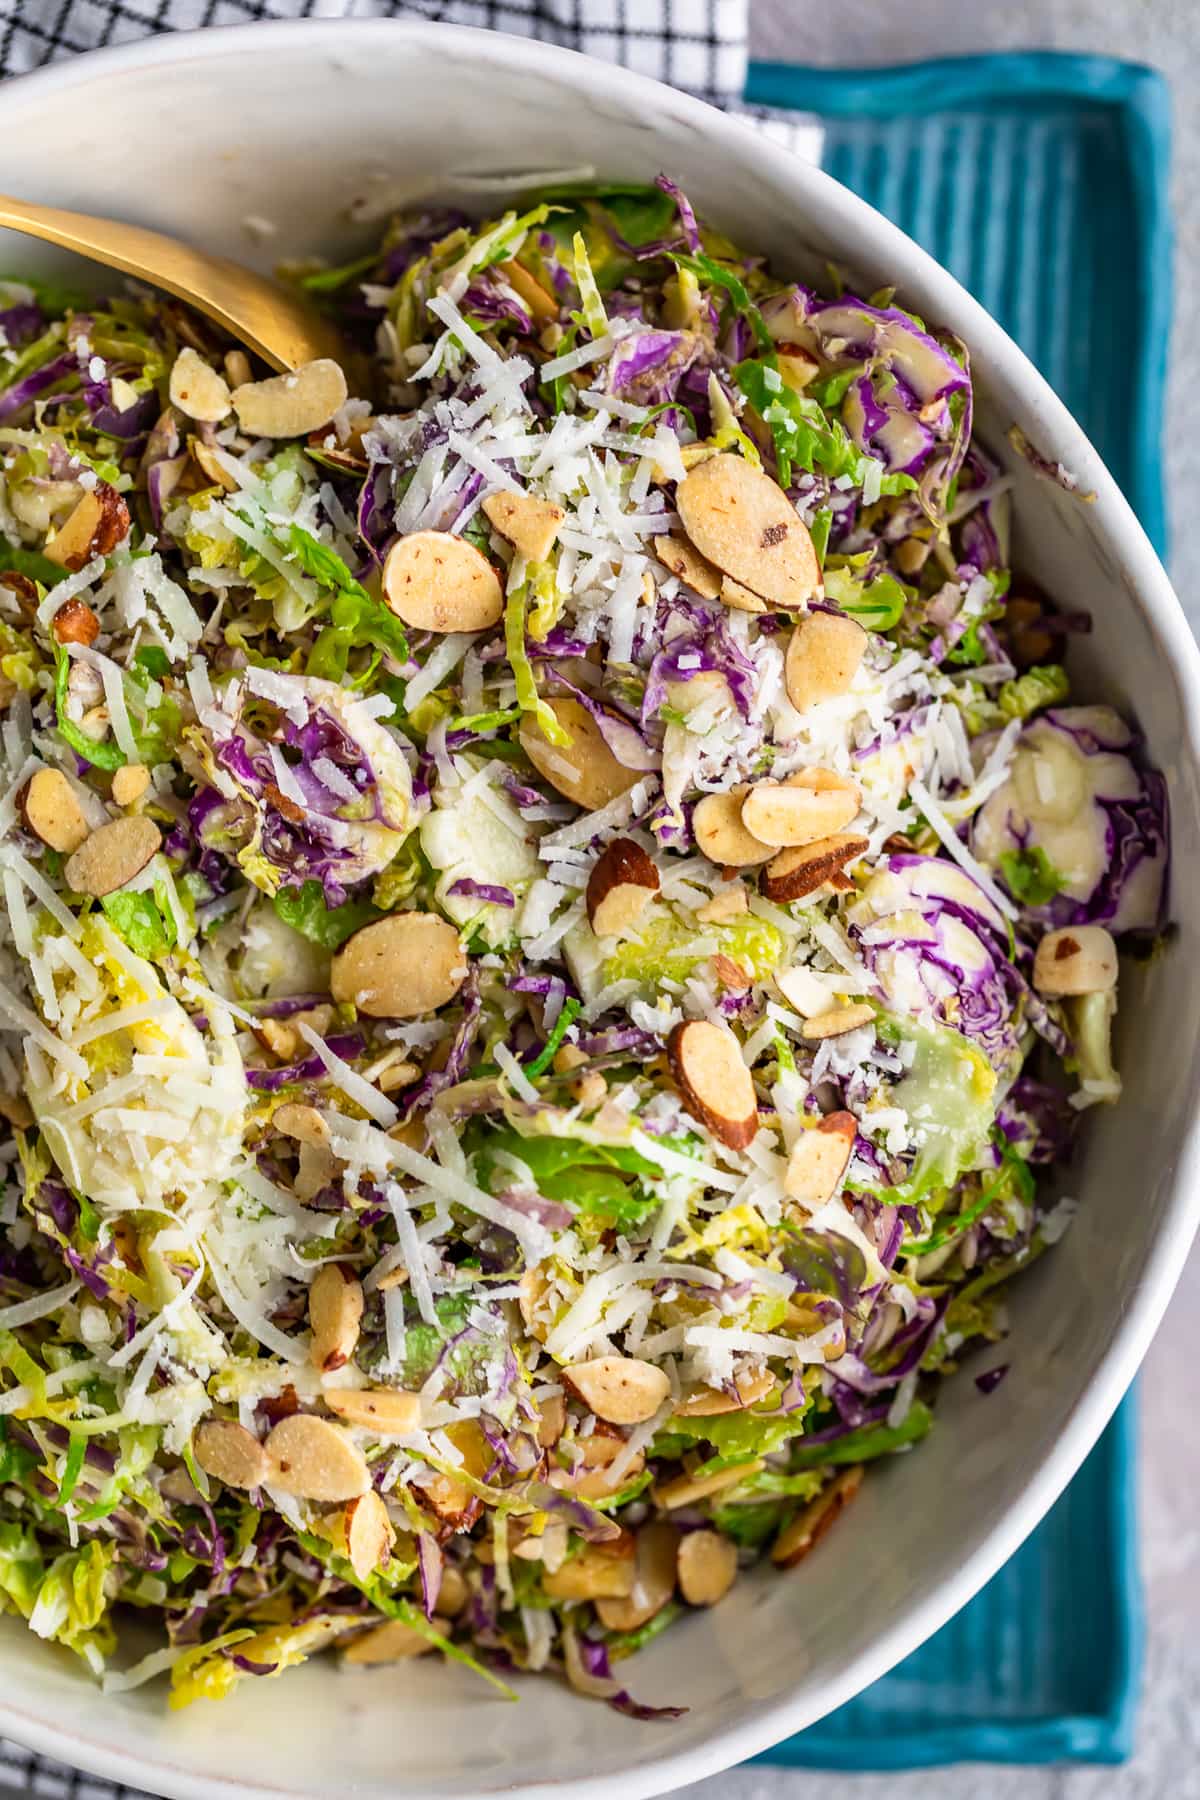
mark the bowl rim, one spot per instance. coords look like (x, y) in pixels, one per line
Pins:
(764, 1723)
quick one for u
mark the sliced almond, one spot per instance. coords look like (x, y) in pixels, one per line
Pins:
(129, 784)
(437, 582)
(540, 301)
(1079, 959)
(230, 1453)
(686, 1490)
(454, 1593)
(585, 770)
(52, 812)
(707, 1565)
(653, 1582)
(911, 554)
(740, 598)
(602, 1483)
(400, 967)
(730, 903)
(552, 1418)
(720, 833)
(809, 1526)
(317, 1168)
(597, 1572)
(205, 460)
(796, 366)
(804, 990)
(198, 390)
(315, 1460)
(838, 1021)
(622, 1389)
(706, 1402)
(112, 856)
(388, 1412)
(822, 659)
(620, 887)
(304, 1123)
(811, 804)
(291, 405)
(530, 525)
(335, 1310)
(743, 522)
(533, 1288)
(368, 1532)
(819, 1160)
(17, 1110)
(685, 561)
(237, 368)
(802, 869)
(393, 1642)
(717, 1087)
(96, 526)
(75, 623)
(397, 1075)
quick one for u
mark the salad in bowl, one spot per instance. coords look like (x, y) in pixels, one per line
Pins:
(559, 906)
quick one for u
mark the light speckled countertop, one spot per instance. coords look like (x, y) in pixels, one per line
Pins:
(1166, 34)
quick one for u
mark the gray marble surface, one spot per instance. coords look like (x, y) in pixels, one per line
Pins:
(1166, 34)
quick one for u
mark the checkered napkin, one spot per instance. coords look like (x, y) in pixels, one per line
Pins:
(700, 45)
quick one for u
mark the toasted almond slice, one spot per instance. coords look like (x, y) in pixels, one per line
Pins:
(315, 1460)
(112, 856)
(198, 390)
(807, 992)
(811, 804)
(706, 1402)
(685, 561)
(530, 525)
(730, 903)
(602, 1483)
(540, 301)
(796, 366)
(437, 582)
(801, 869)
(619, 888)
(400, 967)
(740, 598)
(98, 523)
(454, 1593)
(707, 1564)
(743, 522)
(304, 1123)
(316, 1169)
(685, 1490)
(17, 1110)
(717, 1087)
(368, 1533)
(129, 784)
(393, 1642)
(293, 404)
(202, 455)
(585, 770)
(397, 1075)
(394, 1277)
(552, 1419)
(237, 368)
(822, 659)
(533, 1288)
(1079, 959)
(597, 1572)
(226, 1450)
(838, 1021)
(52, 812)
(621, 1389)
(450, 1500)
(911, 554)
(819, 1160)
(721, 834)
(75, 623)
(388, 1412)
(809, 1526)
(335, 1310)
(653, 1582)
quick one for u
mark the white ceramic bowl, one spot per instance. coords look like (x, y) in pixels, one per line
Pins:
(204, 133)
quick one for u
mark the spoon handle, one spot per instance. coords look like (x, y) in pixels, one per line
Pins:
(276, 325)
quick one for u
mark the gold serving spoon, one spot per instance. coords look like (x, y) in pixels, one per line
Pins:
(276, 325)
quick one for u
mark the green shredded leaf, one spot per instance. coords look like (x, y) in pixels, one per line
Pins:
(1030, 876)
(304, 909)
(571, 1010)
(594, 315)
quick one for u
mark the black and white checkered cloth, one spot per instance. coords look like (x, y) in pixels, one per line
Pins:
(700, 45)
